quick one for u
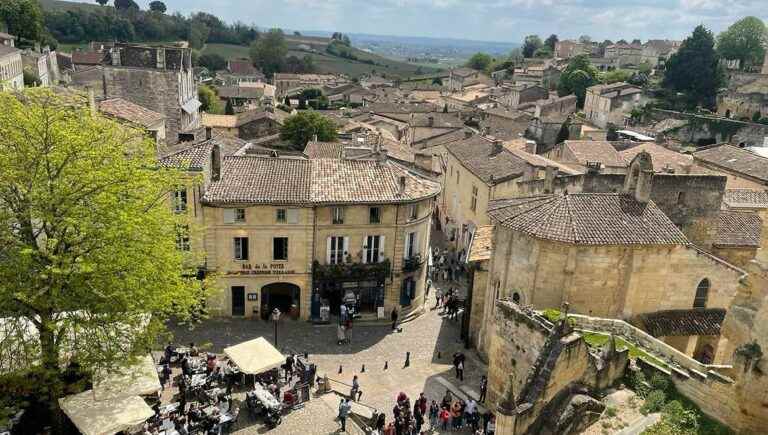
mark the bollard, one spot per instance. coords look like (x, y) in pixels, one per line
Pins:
(363, 369)
(407, 359)
(339, 368)
(386, 364)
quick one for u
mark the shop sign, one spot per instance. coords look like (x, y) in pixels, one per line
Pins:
(264, 269)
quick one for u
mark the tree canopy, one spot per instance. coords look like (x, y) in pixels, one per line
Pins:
(480, 61)
(577, 77)
(531, 44)
(88, 245)
(745, 40)
(694, 71)
(551, 41)
(212, 61)
(126, 4)
(23, 18)
(209, 100)
(300, 128)
(157, 6)
(269, 51)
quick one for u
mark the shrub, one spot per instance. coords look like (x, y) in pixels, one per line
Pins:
(653, 402)
(610, 411)
(659, 382)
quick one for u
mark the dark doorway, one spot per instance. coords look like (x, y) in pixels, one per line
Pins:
(238, 300)
(407, 291)
(280, 295)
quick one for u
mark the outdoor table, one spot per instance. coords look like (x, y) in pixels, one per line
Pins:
(209, 410)
(265, 397)
(167, 424)
(181, 351)
(169, 408)
(225, 418)
(198, 380)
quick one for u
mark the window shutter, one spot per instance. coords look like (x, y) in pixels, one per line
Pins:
(381, 248)
(245, 248)
(407, 245)
(346, 249)
(292, 215)
(365, 250)
(416, 250)
(328, 251)
(229, 215)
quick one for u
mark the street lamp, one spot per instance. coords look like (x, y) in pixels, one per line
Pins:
(275, 318)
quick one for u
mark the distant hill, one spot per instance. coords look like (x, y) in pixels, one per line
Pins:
(62, 5)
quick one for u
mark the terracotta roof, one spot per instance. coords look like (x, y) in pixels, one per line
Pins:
(6, 50)
(479, 156)
(672, 323)
(595, 151)
(245, 92)
(324, 150)
(482, 244)
(738, 229)
(746, 198)
(736, 160)
(662, 157)
(620, 89)
(439, 120)
(242, 67)
(194, 156)
(87, 57)
(126, 110)
(542, 162)
(588, 219)
(464, 72)
(257, 180)
(234, 121)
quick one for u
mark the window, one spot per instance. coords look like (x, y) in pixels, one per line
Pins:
(412, 245)
(337, 248)
(457, 177)
(180, 200)
(702, 291)
(337, 215)
(473, 204)
(287, 216)
(280, 216)
(681, 197)
(375, 215)
(241, 248)
(374, 249)
(239, 215)
(234, 215)
(413, 212)
(516, 297)
(280, 248)
(182, 237)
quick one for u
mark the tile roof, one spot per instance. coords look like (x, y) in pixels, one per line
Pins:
(481, 158)
(258, 180)
(244, 92)
(126, 110)
(661, 157)
(482, 244)
(587, 219)
(6, 50)
(620, 89)
(542, 162)
(234, 121)
(194, 156)
(746, 198)
(670, 323)
(87, 57)
(242, 67)
(324, 150)
(738, 229)
(735, 160)
(595, 151)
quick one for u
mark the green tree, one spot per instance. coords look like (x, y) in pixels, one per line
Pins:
(565, 131)
(613, 132)
(23, 18)
(551, 42)
(102, 2)
(228, 109)
(126, 5)
(480, 61)
(30, 78)
(269, 51)
(212, 61)
(300, 128)
(615, 76)
(745, 40)
(157, 6)
(89, 242)
(198, 35)
(437, 81)
(543, 52)
(577, 77)
(208, 99)
(531, 44)
(694, 71)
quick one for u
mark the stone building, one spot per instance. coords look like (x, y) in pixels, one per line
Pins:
(746, 99)
(657, 51)
(459, 78)
(743, 168)
(253, 124)
(521, 94)
(567, 49)
(627, 54)
(589, 154)
(611, 104)
(293, 83)
(613, 255)
(139, 117)
(11, 68)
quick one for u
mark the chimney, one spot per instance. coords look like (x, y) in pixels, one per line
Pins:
(549, 179)
(401, 184)
(208, 133)
(498, 146)
(314, 138)
(431, 121)
(216, 163)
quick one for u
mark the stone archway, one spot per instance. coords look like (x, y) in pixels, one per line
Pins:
(284, 296)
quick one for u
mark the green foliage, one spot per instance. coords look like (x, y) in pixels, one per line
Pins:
(613, 132)
(745, 40)
(102, 2)
(694, 71)
(212, 61)
(543, 52)
(89, 243)
(437, 81)
(645, 67)
(615, 76)
(157, 6)
(208, 99)
(311, 93)
(577, 77)
(552, 314)
(480, 61)
(756, 116)
(565, 132)
(30, 78)
(23, 18)
(531, 44)
(341, 38)
(610, 411)
(551, 41)
(269, 51)
(228, 109)
(124, 5)
(300, 128)
(653, 402)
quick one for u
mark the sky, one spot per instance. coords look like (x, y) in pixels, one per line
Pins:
(488, 20)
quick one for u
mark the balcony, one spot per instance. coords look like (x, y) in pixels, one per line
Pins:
(412, 264)
(351, 271)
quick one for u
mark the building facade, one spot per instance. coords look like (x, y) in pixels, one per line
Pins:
(11, 68)
(611, 104)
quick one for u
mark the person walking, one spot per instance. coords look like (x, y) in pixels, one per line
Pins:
(434, 411)
(289, 361)
(355, 393)
(344, 408)
(483, 388)
(470, 414)
(418, 419)
(460, 370)
(393, 316)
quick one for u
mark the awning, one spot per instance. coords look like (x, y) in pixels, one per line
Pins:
(191, 106)
(139, 379)
(105, 417)
(255, 356)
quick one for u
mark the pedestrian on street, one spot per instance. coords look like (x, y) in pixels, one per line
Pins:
(355, 392)
(340, 334)
(491, 428)
(434, 411)
(483, 388)
(393, 316)
(426, 292)
(445, 418)
(460, 371)
(422, 403)
(289, 368)
(344, 408)
(418, 419)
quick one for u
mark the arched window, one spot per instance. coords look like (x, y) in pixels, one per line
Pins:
(516, 297)
(702, 290)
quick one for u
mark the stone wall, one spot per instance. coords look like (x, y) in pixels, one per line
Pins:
(702, 127)
(563, 105)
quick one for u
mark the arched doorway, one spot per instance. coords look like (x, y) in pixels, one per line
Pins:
(281, 295)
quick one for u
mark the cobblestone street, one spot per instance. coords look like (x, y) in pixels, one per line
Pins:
(431, 339)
